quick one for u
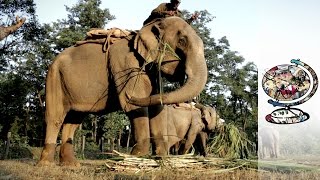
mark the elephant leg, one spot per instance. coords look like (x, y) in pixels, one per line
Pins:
(265, 152)
(52, 131)
(191, 137)
(276, 144)
(135, 83)
(195, 128)
(276, 150)
(141, 131)
(72, 122)
(203, 137)
(158, 130)
(67, 157)
(174, 149)
(55, 115)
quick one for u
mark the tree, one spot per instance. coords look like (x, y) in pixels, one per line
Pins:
(113, 125)
(13, 103)
(13, 47)
(83, 16)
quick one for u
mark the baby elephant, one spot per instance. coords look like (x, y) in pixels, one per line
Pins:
(183, 122)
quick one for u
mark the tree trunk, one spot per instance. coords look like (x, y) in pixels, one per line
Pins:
(78, 140)
(119, 140)
(128, 140)
(83, 146)
(111, 144)
(27, 121)
(101, 144)
(43, 117)
(95, 128)
(7, 145)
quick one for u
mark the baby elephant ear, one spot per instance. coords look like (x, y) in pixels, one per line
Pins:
(211, 118)
(206, 117)
(147, 41)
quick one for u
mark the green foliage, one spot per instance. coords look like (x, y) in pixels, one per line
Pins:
(17, 126)
(87, 14)
(114, 123)
(83, 16)
(230, 142)
(13, 90)
(14, 46)
(11, 7)
(17, 152)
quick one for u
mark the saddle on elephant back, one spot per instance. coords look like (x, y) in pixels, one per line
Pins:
(105, 36)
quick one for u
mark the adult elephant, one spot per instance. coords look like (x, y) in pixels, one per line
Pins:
(86, 79)
(183, 122)
(268, 142)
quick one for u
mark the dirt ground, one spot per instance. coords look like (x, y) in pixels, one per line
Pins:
(107, 169)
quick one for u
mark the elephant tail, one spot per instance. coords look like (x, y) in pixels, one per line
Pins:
(55, 96)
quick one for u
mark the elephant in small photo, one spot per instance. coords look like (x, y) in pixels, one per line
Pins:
(182, 122)
(6, 31)
(268, 143)
(86, 79)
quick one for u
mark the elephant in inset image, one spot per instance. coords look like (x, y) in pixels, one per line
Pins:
(85, 79)
(182, 122)
(268, 142)
(6, 31)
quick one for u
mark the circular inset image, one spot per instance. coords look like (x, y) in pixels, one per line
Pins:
(286, 82)
(287, 116)
(290, 84)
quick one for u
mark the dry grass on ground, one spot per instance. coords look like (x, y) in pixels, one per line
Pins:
(133, 168)
(26, 169)
(123, 166)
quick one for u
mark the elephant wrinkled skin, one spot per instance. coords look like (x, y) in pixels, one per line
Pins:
(184, 122)
(85, 79)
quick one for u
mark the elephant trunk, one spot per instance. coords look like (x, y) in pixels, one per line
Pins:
(196, 70)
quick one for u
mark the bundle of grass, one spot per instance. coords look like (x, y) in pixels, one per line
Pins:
(230, 142)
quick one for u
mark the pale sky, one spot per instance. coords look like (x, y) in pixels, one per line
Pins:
(267, 32)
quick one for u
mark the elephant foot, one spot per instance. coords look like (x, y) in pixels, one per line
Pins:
(47, 155)
(70, 163)
(141, 149)
(67, 157)
(160, 151)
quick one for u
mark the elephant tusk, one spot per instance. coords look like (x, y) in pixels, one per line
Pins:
(131, 99)
(128, 96)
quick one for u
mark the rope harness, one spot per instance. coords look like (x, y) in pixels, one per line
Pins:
(105, 37)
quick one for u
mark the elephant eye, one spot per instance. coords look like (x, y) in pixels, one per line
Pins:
(182, 42)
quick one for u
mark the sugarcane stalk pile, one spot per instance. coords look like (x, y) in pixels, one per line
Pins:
(128, 163)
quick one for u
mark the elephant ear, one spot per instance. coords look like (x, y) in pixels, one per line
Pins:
(206, 117)
(210, 116)
(146, 41)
